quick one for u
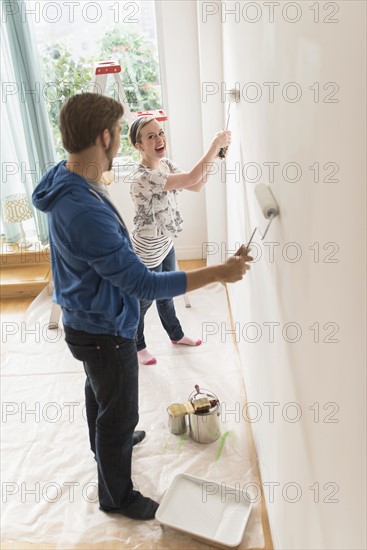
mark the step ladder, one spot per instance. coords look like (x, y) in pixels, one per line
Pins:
(99, 83)
(98, 86)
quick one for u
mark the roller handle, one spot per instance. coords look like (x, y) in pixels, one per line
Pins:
(223, 151)
(243, 251)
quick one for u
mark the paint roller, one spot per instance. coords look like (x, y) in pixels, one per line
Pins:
(264, 195)
(233, 97)
(269, 208)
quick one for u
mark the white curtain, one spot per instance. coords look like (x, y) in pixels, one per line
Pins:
(27, 148)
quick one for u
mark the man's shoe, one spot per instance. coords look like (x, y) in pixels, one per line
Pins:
(138, 436)
(137, 507)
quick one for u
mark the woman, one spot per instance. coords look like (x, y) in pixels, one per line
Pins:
(154, 190)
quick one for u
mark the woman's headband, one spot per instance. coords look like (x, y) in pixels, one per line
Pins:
(136, 127)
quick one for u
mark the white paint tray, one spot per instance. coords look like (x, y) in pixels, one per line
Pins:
(213, 512)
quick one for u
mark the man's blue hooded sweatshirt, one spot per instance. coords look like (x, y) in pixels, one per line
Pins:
(98, 278)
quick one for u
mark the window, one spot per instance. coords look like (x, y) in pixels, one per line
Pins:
(73, 36)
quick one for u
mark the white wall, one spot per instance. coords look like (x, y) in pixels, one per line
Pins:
(328, 374)
(195, 50)
(213, 107)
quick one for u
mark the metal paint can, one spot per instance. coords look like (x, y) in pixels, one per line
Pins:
(176, 424)
(205, 426)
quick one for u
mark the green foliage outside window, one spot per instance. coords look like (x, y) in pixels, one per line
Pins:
(140, 76)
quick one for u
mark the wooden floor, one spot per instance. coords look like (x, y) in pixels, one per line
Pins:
(13, 309)
(24, 272)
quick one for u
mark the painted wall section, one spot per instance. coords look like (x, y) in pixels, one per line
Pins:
(300, 312)
(213, 98)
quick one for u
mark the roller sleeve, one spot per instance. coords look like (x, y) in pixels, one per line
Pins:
(266, 200)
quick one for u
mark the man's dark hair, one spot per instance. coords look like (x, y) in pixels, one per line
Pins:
(84, 117)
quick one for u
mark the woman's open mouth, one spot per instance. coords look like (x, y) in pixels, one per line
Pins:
(160, 149)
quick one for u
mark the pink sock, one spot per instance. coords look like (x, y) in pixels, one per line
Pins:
(146, 358)
(187, 341)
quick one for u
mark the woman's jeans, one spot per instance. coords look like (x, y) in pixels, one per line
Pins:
(111, 397)
(166, 308)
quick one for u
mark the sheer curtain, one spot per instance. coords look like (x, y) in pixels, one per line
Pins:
(27, 149)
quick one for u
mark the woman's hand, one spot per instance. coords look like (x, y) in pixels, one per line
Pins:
(221, 140)
(198, 176)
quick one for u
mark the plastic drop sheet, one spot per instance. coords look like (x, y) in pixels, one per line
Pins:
(49, 476)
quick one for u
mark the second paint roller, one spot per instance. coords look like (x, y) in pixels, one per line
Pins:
(269, 208)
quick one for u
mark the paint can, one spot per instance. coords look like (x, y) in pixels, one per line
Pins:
(176, 424)
(205, 426)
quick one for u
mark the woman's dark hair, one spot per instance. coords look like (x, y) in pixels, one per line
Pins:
(84, 117)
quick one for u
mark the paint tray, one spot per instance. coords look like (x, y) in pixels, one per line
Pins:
(213, 512)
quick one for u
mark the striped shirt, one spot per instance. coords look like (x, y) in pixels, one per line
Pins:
(157, 218)
(152, 251)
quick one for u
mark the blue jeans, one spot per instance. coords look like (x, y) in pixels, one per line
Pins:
(166, 308)
(111, 397)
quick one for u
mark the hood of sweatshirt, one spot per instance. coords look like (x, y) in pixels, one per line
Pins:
(53, 186)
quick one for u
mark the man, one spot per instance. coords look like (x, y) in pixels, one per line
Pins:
(98, 283)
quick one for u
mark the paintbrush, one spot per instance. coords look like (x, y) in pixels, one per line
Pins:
(202, 404)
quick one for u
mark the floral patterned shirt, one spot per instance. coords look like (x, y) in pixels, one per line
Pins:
(156, 211)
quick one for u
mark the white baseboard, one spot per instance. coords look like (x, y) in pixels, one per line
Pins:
(189, 252)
